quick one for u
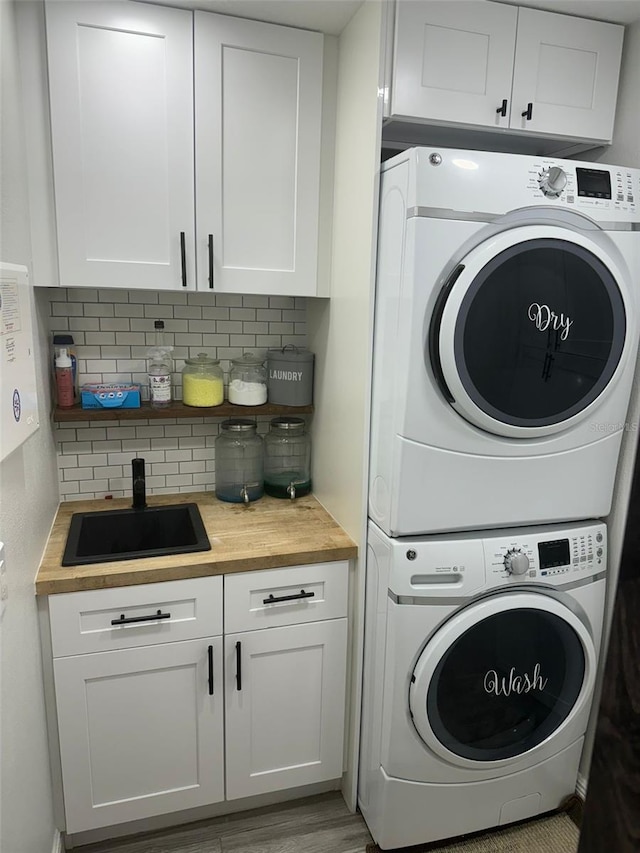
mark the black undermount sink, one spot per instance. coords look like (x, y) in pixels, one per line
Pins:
(123, 534)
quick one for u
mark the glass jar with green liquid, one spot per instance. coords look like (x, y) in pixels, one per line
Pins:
(287, 459)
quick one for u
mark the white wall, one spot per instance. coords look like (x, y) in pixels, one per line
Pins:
(339, 330)
(28, 501)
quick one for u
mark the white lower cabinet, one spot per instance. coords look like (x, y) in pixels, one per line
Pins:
(162, 705)
(284, 706)
(140, 734)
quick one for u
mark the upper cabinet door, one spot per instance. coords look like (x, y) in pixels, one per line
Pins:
(453, 62)
(121, 89)
(567, 69)
(258, 101)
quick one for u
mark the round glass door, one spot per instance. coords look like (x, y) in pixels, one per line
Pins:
(501, 678)
(530, 336)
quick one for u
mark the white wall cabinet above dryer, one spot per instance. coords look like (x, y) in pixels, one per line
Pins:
(499, 67)
(135, 206)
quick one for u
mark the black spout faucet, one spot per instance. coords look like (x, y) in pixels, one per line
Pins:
(139, 483)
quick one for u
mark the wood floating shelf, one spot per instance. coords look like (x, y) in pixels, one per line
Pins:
(176, 410)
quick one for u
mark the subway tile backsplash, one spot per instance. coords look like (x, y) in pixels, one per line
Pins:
(112, 330)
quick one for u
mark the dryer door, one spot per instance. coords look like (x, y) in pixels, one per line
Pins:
(529, 332)
(500, 678)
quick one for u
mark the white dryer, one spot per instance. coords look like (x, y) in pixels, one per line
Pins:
(480, 659)
(506, 329)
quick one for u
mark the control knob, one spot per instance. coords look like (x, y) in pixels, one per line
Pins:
(515, 562)
(552, 181)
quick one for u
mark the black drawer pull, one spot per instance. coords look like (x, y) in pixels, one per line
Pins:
(238, 665)
(299, 595)
(503, 109)
(528, 112)
(210, 655)
(126, 620)
(183, 258)
(210, 249)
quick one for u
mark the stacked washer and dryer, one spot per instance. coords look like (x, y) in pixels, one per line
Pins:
(506, 332)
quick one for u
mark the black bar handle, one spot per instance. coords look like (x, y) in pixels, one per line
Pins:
(528, 112)
(238, 665)
(210, 245)
(503, 109)
(210, 654)
(126, 620)
(301, 594)
(183, 258)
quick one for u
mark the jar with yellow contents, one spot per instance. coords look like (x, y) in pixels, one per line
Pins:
(202, 381)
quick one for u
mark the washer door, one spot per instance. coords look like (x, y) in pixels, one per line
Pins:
(529, 331)
(500, 678)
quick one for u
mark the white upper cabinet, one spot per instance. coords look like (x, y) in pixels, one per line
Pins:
(155, 181)
(567, 69)
(258, 103)
(494, 66)
(121, 90)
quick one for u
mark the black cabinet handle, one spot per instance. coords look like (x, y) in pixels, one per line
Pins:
(126, 620)
(238, 665)
(210, 655)
(528, 112)
(503, 109)
(183, 258)
(299, 595)
(210, 245)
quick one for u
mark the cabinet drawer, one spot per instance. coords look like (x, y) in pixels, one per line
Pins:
(125, 617)
(277, 597)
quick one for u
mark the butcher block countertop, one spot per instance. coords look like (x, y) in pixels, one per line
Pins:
(262, 535)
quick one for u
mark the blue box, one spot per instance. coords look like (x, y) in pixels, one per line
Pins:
(110, 396)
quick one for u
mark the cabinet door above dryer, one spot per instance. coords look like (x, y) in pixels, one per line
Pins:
(453, 61)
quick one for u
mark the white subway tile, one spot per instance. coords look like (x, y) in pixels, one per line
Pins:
(159, 312)
(121, 432)
(103, 338)
(138, 445)
(109, 472)
(77, 474)
(85, 352)
(177, 431)
(133, 339)
(205, 326)
(164, 443)
(231, 327)
(172, 297)
(107, 446)
(83, 324)
(131, 365)
(191, 442)
(66, 309)
(155, 481)
(178, 456)
(165, 468)
(261, 328)
(103, 366)
(253, 301)
(90, 460)
(151, 431)
(97, 486)
(188, 340)
(268, 341)
(99, 310)
(270, 315)
(280, 328)
(70, 461)
(82, 294)
(187, 312)
(202, 298)
(113, 294)
(192, 468)
(203, 480)
(229, 300)
(115, 324)
(76, 447)
(281, 302)
(209, 427)
(215, 340)
(126, 309)
(147, 297)
(180, 480)
(217, 313)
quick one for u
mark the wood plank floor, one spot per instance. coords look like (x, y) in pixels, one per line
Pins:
(319, 824)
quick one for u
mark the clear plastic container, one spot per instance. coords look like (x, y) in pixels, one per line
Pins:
(160, 366)
(239, 462)
(248, 381)
(202, 381)
(287, 459)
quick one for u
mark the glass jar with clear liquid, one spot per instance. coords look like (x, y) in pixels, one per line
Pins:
(287, 459)
(239, 462)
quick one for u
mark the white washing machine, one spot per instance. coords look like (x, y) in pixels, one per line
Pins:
(505, 339)
(480, 659)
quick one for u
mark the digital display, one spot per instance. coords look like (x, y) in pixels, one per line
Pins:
(555, 553)
(594, 183)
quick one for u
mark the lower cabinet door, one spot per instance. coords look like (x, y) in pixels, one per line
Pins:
(285, 706)
(141, 731)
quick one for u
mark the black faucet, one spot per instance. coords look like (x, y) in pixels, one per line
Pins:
(139, 483)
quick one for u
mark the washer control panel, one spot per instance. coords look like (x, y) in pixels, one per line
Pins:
(591, 189)
(552, 554)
